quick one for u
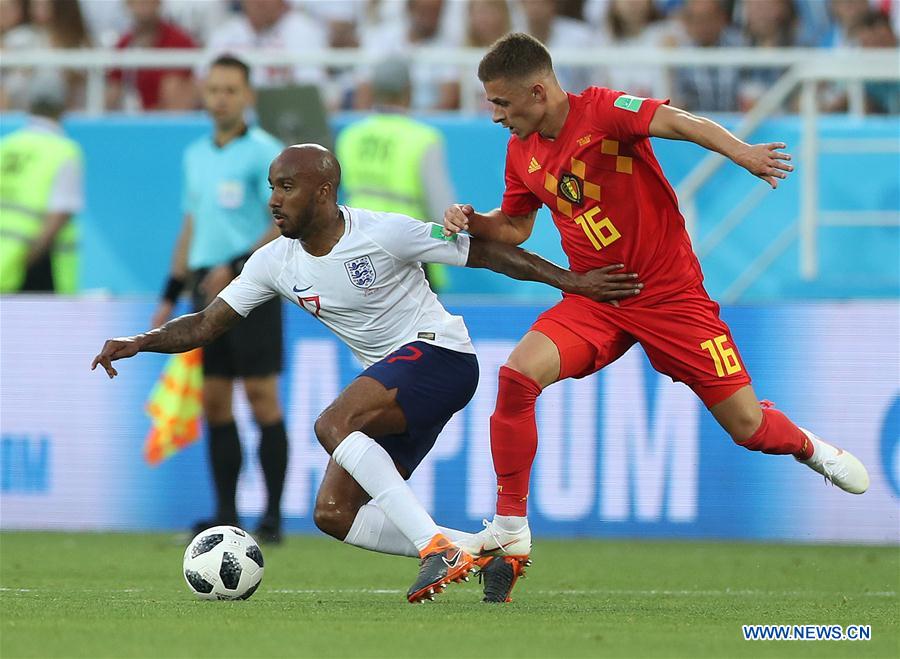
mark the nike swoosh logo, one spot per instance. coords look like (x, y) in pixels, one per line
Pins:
(455, 562)
(500, 547)
(300, 290)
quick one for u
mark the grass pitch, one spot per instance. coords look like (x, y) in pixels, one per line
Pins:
(122, 595)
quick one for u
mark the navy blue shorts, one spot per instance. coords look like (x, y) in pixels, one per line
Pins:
(432, 384)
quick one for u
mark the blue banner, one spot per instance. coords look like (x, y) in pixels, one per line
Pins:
(625, 452)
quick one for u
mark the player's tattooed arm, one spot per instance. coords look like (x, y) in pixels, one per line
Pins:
(605, 284)
(178, 335)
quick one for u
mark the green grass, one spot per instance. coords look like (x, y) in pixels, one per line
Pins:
(122, 595)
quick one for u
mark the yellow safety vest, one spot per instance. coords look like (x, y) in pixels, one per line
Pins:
(29, 163)
(381, 163)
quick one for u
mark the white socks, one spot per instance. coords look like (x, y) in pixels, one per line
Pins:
(374, 531)
(372, 467)
(510, 523)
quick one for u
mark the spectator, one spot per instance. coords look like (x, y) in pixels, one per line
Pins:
(59, 24)
(42, 191)
(876, 31)
(13, 23)
(434, 87)
(158, 89)
(341, 19)
(558, 32)
(707, 88)
(813, 22)
(765, 24)
(106, 20)
(633, 24)
(197, 17)
(847, 15)
(573, 9)
(769, 23)
(15, 34)
(486, 21)
(273, 26)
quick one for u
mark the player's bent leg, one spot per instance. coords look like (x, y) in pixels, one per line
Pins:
(367, 404)
(338, 502)
(760, 427)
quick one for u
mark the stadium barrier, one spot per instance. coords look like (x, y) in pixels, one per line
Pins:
(626, 453)
(139, 158)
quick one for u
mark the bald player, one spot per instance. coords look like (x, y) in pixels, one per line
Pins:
(359, 273)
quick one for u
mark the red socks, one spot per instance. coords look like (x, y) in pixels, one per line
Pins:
(514, 440)
(778, 435)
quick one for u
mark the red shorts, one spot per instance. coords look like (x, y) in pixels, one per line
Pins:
(683, 337)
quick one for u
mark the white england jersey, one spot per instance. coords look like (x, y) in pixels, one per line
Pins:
(370, 289)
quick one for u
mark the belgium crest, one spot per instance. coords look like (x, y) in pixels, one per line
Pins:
(571, 188)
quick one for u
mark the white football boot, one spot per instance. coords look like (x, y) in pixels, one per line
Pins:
(836, 465)
(494, 541)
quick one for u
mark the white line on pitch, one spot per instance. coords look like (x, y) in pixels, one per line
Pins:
(587, 592)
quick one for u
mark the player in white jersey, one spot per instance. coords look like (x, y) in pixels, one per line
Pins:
(359, 273)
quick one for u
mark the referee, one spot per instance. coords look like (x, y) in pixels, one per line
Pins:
(225, 204)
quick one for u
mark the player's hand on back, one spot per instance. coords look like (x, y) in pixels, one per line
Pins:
(765, 161)
(456, 218)
(114, 349)
(607, 284)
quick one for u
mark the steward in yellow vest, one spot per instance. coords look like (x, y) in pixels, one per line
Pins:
(393, 163)
(41, 190)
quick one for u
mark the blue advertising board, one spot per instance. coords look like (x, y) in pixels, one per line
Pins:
(625, 452)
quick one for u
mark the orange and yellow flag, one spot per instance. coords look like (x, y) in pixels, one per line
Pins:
(174, 407)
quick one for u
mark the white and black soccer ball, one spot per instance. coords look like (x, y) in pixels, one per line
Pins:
(223, 563)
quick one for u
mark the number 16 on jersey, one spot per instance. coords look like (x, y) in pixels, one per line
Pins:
(724, 358)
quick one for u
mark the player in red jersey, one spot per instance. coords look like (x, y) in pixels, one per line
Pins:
(588, 157)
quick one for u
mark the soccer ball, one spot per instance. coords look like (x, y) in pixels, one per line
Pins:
(223, 563)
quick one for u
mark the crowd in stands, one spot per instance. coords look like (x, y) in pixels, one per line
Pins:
(385, 28)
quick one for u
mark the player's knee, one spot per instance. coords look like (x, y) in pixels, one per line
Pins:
(328, 431)
(743, 424)
(264, 403)
(333, 519)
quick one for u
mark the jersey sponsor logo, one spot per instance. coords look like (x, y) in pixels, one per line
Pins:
(533, 166)
(571, 188)
(301, 290)
(428, 336)
(361, 271)
(584, 140)
(437, 232)
(630, 103)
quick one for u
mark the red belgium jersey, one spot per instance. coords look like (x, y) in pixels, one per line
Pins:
(606, 192)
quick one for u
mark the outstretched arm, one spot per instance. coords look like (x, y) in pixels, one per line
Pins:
(762, 160)
(602, 285)
(179, 335)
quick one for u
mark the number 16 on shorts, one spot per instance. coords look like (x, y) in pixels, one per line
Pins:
(724, 358)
